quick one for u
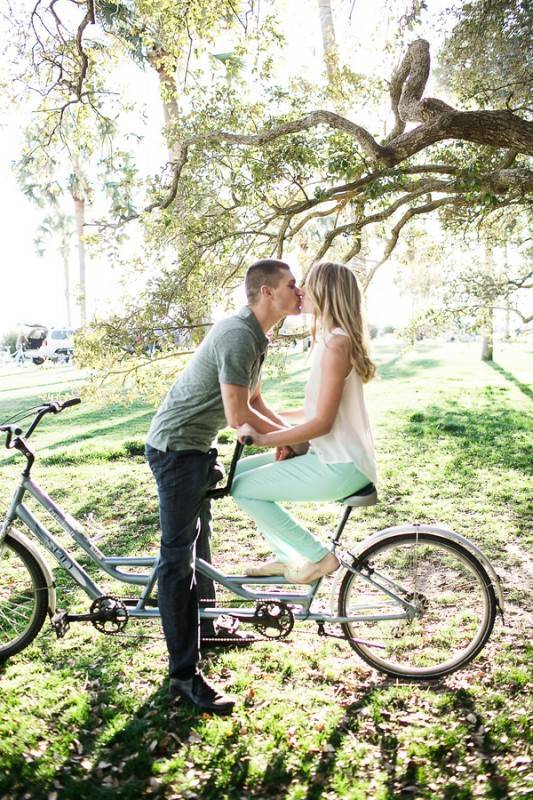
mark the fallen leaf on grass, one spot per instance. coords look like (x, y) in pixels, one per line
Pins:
(249, 699)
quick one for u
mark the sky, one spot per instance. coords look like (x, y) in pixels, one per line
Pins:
(31, 285)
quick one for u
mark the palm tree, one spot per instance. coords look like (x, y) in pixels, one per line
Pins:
(328, 39)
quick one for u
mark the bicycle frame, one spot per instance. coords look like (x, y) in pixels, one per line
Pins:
(143, 606)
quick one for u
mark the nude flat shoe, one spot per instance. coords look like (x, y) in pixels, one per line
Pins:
(309, 573)
(265, 569)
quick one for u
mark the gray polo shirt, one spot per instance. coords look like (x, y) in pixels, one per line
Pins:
(192, 413)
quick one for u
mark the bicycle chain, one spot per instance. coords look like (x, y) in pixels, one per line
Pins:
(229, 640)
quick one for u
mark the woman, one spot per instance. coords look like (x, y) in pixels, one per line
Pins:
(334, 421)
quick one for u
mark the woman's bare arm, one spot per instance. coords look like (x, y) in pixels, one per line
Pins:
(334, 369)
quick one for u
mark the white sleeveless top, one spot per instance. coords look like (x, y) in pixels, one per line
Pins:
(350, 439)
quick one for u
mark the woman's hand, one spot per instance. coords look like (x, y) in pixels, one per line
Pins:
(247, 430)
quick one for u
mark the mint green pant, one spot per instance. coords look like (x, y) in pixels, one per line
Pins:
(260, 482)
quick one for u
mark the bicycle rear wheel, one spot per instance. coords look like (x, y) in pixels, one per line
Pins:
(23, 598)
(455, 606)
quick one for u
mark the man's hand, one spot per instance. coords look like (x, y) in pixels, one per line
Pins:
(247, 430)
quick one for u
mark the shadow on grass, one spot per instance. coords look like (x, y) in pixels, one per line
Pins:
(98, 765)
(479, 739)
(524, 388)
(487, 452)
(116, 421)
(404, 777)
(489, 435)
(39, 392)
(120, 427)
(396, 368)
(117, 748)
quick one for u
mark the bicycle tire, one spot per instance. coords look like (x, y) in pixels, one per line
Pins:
(455, 600)
(23, 597)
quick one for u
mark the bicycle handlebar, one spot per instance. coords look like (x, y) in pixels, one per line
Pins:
(74, 401)
(54, 407)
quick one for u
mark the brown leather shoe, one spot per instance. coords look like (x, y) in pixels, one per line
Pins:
(198, 692)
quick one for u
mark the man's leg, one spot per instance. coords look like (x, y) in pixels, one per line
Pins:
(181, 482)
(206, 587)
(213, 634)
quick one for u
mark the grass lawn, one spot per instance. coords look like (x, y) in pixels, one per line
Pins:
(87, 716)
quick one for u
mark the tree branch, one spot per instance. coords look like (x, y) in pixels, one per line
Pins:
(439, 122)
(412, 212)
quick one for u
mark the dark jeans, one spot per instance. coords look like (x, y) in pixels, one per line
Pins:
(182, 481)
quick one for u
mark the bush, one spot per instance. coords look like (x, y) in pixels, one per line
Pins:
(226, 436)
(134, 448)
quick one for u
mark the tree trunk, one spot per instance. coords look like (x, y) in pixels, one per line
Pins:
(79, 212)
(168, 94)
(65, 254)
(487, 329)
(170, 111)
(487, 340)
(507, 334)
(328, 38)
(507, 320)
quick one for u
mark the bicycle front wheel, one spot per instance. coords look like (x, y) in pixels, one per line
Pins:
(23, 598)
(453, 606)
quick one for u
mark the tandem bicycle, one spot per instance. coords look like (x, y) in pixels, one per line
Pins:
(413, 601)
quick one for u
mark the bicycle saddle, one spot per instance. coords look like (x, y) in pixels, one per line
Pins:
(367, 496)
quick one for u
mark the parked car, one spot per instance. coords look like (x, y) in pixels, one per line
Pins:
(30, 341)
(58, 345)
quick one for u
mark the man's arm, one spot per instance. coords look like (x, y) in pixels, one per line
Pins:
(238, 410)
(259, 404)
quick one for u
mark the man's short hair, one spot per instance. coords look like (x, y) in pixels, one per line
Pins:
(265, 272)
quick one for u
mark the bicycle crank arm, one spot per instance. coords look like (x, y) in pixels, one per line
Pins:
(107, 614)
(96, 617)
(62, 619)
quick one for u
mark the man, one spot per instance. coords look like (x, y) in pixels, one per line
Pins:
(219, 386)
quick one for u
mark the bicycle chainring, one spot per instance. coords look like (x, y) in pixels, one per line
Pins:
(273, 620)
(112, 615)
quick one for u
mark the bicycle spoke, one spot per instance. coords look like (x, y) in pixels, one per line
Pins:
(23, 597)
(449, 601)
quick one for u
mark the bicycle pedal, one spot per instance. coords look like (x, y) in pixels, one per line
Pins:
(60, 623)
(226, 625)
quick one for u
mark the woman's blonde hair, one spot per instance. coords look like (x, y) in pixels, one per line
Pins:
(335, 293)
